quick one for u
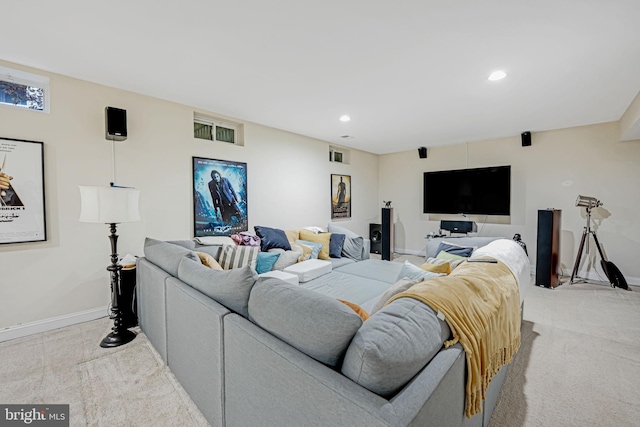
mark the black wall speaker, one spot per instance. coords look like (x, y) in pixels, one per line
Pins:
(548, 250)
(115, 124)
(422, 152)
(387, 234)
(526, 139)
(375, 235)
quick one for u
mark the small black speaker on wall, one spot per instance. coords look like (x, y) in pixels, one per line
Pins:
(422, 152)
(526, 139)
(375, 235)
(115, 124)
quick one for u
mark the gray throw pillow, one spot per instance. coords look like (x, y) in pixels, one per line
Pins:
(353, 244)
(393, 345)
(286, 258)
(167, 256)
(315, 324)
(400, 286)
(414, 272)
(230, 288)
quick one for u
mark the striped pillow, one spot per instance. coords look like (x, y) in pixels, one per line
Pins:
(233, 256)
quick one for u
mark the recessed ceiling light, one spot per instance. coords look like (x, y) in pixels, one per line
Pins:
(497, 75)
(345, 118)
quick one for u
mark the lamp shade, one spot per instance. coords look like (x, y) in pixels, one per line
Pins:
(109, 205)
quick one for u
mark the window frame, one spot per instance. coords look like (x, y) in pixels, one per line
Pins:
(11, 75)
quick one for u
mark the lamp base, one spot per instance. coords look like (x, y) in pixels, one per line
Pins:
(115, 339)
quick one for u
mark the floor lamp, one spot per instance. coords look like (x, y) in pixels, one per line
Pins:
(111, 205)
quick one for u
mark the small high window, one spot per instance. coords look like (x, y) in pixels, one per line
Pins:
(214, 129)
(24, 90)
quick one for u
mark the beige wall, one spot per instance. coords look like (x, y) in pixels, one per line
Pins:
(288, 186)
(551, 173)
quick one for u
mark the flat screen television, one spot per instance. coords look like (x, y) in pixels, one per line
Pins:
(479, 191)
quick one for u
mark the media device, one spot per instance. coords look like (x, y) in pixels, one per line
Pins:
(548, 248)
(459, 226)
(422, 152)
(387, 234)
(115, 124)
(526, 139)
(479, 191)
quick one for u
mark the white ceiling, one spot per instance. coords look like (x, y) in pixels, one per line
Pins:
(409, 73)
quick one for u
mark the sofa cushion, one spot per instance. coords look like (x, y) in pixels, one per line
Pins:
(414, 272)
(315, 247)
(272, 238)
(167, 256)
(393, 345)
(233, 256)
(266, 261)
(323, 238)
(317, 325)
(230, 288)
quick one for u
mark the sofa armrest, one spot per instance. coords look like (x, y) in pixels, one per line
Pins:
(366, 249)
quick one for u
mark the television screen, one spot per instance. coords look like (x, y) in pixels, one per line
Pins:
(479, 191)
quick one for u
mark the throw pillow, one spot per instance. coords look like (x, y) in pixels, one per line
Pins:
(266, 261)
(454, 249)
(453, 263)
(335, 245)
(303, 249)
(230, 288)
(238, 256)
(449, 256)
(359, 310)
(167, 256)
(444, 267)
(272, 238)
(315, 247)
(208, 261)
(413, 272)
(400, 286)
(323, 238)
(285, 258)
(353, 246)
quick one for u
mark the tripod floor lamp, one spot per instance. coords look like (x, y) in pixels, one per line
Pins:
(111, 205)
(588, 203)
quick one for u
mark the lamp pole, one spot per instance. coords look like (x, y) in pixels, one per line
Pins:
(119, 334)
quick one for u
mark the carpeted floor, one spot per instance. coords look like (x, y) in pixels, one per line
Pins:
(579, 365)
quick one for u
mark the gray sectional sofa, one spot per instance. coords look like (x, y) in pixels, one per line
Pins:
(254, 351)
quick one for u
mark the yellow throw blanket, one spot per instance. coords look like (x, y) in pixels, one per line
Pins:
(481, 304)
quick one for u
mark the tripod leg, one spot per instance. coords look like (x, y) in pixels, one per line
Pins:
(579, 256)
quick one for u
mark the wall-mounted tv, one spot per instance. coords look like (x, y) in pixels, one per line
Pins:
(479, 191)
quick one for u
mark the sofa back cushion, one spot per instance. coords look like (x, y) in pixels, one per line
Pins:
(166, 255)
(353, 245)
(315, 324)
(230, 288)
(394, 345)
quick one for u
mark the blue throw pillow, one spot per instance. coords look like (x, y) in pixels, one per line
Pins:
(272, 238)
(266, 261)
(335, 245)
(464, 251)
(315, 246)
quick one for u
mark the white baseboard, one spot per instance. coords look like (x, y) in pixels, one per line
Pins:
(19, 331)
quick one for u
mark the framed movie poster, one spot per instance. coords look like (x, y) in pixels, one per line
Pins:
(340, 196)
(22, 209)
(219, 197)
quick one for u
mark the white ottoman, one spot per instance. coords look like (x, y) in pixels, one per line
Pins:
(287, 277)
(309, 269)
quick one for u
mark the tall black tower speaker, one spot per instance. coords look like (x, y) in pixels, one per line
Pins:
(548, 251)
(375, 236)
(387, 234)
(115, 124)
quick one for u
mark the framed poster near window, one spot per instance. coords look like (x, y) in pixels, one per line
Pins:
(22, 207)
(219, 197)
(340, 196)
